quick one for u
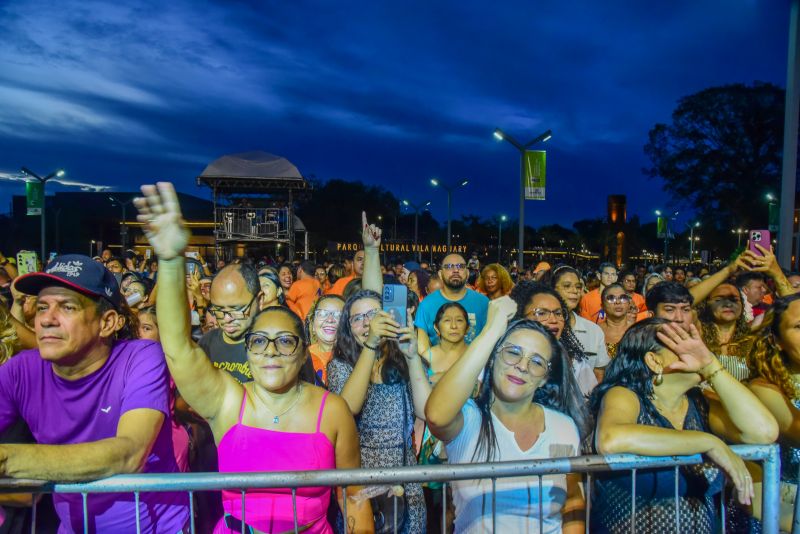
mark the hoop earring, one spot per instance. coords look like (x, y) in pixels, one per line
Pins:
(659, 379)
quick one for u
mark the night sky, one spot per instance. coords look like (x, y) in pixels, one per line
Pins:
(389, 93)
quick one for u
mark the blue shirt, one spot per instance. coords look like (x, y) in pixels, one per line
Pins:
(475, 303)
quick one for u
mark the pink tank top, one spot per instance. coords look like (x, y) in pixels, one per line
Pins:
(246, 449)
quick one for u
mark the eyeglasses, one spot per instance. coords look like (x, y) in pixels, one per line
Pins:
(285, 344)
(235, 313)
(361, 318)
(618, 299)
(513, 354)
(543, 314)
(454, 266)
(324, 315)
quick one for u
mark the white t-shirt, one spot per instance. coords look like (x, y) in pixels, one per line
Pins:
(592, 339)
(517, 499)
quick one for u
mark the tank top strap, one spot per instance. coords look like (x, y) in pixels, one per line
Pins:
(244, 402)
(321, 407)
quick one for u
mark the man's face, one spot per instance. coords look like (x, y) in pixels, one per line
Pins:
(454, 272)
(232, 304)
(680, 313)
(398, 270)
(679, 275)
(667, 274)
(755, 291)
(106, 254)
(629, 283)
(608, 276)
(114, 266)
(424, 266)
(358, 264)
(320, 274)
(67, 325)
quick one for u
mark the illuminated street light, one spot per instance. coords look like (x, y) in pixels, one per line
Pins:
(55, 174)
(449, 188)
(500, 135)
(500, 220)
(417, 208)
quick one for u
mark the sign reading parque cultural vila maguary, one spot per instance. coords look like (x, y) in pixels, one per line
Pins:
(409, 248)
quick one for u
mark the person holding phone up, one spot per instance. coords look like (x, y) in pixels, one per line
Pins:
(382, 381)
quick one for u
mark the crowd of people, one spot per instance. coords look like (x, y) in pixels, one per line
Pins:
(170, 364)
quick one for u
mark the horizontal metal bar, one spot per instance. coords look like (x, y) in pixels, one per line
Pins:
(370, 477)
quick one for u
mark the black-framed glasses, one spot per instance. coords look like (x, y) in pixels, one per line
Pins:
(513, 354)
(258, 343)
(235, 313)
(361, 318)
(454, 266)
(324, 315)
(618, 299)
(543, 314)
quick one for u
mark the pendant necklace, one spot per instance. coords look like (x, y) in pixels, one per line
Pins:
(276, 418)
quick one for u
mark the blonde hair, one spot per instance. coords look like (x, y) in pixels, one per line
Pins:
(767, 360)
(9, 342)
(502, 276)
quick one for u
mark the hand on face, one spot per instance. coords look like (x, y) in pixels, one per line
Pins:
(692, 353)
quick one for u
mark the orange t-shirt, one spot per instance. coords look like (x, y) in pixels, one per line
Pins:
(338, 287)
(320, 360)
(590, 305)
(301, 296)
(639, 301)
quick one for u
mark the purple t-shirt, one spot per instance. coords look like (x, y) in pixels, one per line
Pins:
(60, 411)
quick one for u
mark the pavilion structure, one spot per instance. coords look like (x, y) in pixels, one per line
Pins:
(253, 195)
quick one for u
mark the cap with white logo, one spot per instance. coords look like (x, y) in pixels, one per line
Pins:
(73, 271)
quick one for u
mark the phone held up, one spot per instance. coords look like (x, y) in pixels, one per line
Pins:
(394, 301)
(760, 237)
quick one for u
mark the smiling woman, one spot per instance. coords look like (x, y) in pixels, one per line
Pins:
(303, 426)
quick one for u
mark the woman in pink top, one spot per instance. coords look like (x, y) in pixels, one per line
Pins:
(274, 423)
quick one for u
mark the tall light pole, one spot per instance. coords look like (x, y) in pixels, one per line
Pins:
(123, 229)
(417, 208)
(738, 232)
(502, 136)
(692, 226)
(500, 220)
(449, 188)
(55, 174)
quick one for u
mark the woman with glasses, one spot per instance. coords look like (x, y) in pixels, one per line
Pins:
(300, 426)
(649, 403)
(528, 407)
(383, 382)
(568, 284)
(322, 322)
(544, 305)
(616, 305)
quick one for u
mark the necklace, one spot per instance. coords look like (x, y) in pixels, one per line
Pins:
(276, 418)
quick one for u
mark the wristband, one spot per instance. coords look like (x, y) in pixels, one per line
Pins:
(374, 349)
(712, 374)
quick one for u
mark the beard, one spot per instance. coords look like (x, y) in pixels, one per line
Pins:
(455, 284)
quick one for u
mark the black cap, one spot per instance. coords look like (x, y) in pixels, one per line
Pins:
(77, 272)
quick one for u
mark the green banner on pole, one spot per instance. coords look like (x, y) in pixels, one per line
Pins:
(535, 174)
(661, 227)
(34, 193)
(774, 217)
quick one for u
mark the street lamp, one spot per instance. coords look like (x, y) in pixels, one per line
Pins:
(449, 188)
(666, 232)
(500, 220)
(738, 232)
(502, 136)
(692, 226)
(55, 174)
(123, 229)
(417, 208)
(772, 214)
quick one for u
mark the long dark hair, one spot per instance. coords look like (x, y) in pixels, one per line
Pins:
(560, 392)
(628, 368)
(347, 349)
(524, 292)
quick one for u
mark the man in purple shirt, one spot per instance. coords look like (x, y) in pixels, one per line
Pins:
(96, 407)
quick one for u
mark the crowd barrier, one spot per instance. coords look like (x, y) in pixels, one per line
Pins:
(768, 455)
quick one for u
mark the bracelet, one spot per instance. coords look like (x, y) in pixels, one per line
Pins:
(374, 349)
(712, 375)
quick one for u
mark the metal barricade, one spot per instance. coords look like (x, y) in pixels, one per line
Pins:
(768, 455)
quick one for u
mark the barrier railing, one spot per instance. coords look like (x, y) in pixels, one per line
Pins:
(588, 465)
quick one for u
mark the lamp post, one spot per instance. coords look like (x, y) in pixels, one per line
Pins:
(666, 232)
(502, 136)
(417, 208)
(692, 226)
(91, 247)
(123, 230)
(500, 220)
(55, 174)
(449, 188)
(738, 232)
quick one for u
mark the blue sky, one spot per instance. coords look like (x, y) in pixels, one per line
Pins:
(389, 93)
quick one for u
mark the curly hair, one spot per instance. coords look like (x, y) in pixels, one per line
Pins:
(560, 392)
(503, 278)
(767, 360)
(523, 294)
(308, 324)
(741, 338)
(9, 342)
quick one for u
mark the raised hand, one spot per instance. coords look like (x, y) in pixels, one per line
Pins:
(765, 262)
(408, 337)
(501, 311)
(370, 233)
(382, 326)
(692, 353)
(164, 226)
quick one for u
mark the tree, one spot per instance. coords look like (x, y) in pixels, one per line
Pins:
(722, 152)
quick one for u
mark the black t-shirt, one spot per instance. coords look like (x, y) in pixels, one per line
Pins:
(231, 357)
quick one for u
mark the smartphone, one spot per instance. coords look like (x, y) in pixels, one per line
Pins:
(761, 237)
(395, 300)
(26, 262)
(192, 254)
